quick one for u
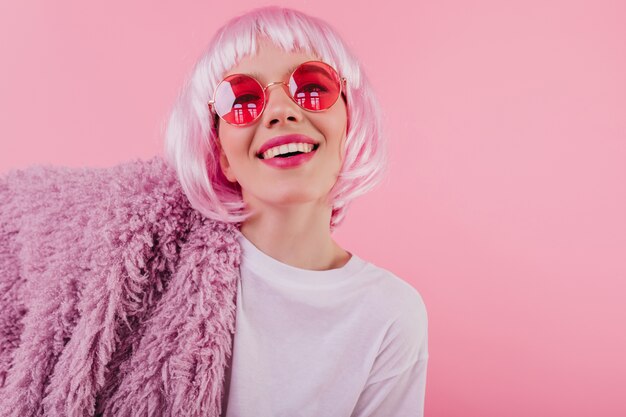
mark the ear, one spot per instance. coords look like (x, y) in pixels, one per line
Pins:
(225, 165)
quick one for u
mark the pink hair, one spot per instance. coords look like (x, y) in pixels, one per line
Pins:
(191, 146)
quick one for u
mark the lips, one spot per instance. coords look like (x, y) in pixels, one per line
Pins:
(282, 140)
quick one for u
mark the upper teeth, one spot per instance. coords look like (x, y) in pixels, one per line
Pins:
(289, 147)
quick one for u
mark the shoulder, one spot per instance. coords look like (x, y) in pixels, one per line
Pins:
(400, 312)
(403, 311)
(124, 211)
(46, 191)
(396, 296)
(132, 178)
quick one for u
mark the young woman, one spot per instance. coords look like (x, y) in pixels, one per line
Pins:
(212, 285)
(293, 136)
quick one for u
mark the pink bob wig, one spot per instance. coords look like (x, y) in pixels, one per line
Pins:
(191, 141)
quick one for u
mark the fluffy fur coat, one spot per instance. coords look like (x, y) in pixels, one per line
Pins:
(116, 297)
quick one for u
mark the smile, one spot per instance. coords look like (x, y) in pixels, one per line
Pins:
(289, 156)
(288, 150)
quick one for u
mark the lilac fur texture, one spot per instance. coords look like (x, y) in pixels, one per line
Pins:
(117, 298)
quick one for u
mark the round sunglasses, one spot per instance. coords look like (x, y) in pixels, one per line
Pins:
(240, 99)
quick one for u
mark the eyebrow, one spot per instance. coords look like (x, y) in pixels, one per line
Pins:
(288, 72)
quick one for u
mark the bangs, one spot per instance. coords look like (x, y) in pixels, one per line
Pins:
(287, 31)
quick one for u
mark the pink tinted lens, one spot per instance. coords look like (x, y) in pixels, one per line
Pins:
(239, 99)
(315, 86)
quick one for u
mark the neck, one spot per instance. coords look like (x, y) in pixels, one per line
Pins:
(296, 235)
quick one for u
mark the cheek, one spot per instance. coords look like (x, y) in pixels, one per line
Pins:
(342, 147)
(233, 156)
(332, 123)
(235, 142)
(336, 129)
(340, 118)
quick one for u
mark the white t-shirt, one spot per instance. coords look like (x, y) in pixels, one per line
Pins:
(345, 342)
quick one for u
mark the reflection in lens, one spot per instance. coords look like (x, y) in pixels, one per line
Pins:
(239, 99)
(240, 115)
(315, 86)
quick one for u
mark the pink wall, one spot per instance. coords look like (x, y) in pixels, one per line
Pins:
(507, 127)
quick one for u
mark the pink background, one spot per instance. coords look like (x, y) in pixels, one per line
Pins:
(506, 201)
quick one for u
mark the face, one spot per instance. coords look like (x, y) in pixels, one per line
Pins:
(263, 184)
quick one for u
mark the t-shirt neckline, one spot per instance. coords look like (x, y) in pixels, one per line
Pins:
(279, 270)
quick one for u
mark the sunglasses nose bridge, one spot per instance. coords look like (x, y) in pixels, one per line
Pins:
(284, 84)
(274, 83)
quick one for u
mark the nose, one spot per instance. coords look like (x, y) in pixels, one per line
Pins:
(280, 108)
